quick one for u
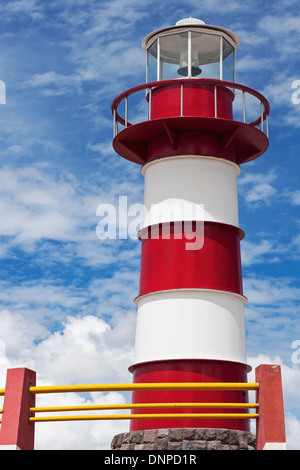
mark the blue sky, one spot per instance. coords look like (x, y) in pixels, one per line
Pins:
(66, 297)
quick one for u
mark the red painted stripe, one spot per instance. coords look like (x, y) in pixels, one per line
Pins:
(166, 263)
(189, 371)
(198, 101)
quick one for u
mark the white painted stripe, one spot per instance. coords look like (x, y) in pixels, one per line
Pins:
(275, 446)
(176, 187)
(9, 447)
(190, 323)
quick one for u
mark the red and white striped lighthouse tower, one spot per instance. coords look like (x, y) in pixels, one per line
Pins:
(190, 306)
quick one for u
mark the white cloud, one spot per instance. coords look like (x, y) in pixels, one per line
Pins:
(250, 62)
(258, 188)
(36, 206)
(280, 25)
(292, 424)
(42, 300)
(279, 91)
(38, 209)
(261, 191)
(81, 352)
(54, 84)
(295, 245)
(267, 291)
(253, 253)
(281, 95)
(21, 7)
(272, 315)
(295, 197)
(18, 340)
(86, 350)
(48, 301)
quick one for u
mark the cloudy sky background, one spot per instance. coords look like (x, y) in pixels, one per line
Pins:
(66, 297)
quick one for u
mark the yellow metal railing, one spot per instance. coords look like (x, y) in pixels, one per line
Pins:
(142, 386)
(2, 393)
(149, 387)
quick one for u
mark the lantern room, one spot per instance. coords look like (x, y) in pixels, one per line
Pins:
(191, 49)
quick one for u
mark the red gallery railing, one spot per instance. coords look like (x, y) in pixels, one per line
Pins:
(261, 121)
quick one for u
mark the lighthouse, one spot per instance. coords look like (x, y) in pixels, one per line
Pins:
(191, 146)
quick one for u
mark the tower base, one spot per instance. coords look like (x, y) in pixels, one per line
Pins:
(189, 370)
(185, 439)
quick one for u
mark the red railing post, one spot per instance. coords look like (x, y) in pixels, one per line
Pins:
(17, 433)
(270, 426)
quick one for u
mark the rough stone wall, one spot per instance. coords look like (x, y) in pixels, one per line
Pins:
(185, 439)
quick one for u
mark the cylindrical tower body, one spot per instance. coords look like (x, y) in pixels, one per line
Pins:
(190, 305)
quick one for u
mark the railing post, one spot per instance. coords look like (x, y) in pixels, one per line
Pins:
(150, 104)
(216, 101)
(115, 130)
(244, 107)
(17, 433)
(126, 111)
(270, 426)
(181, 100)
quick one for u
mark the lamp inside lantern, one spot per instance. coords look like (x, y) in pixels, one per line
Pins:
(184, 59)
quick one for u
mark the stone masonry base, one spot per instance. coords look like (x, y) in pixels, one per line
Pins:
(185, 439)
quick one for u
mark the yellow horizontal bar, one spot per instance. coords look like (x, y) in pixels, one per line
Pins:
(146, 416)
(2, 392)
(143, 386)
(142, 405)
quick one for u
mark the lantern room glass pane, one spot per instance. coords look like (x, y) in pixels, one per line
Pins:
(173, 56)
(228, 61)
(152, 63)
(207, 47)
